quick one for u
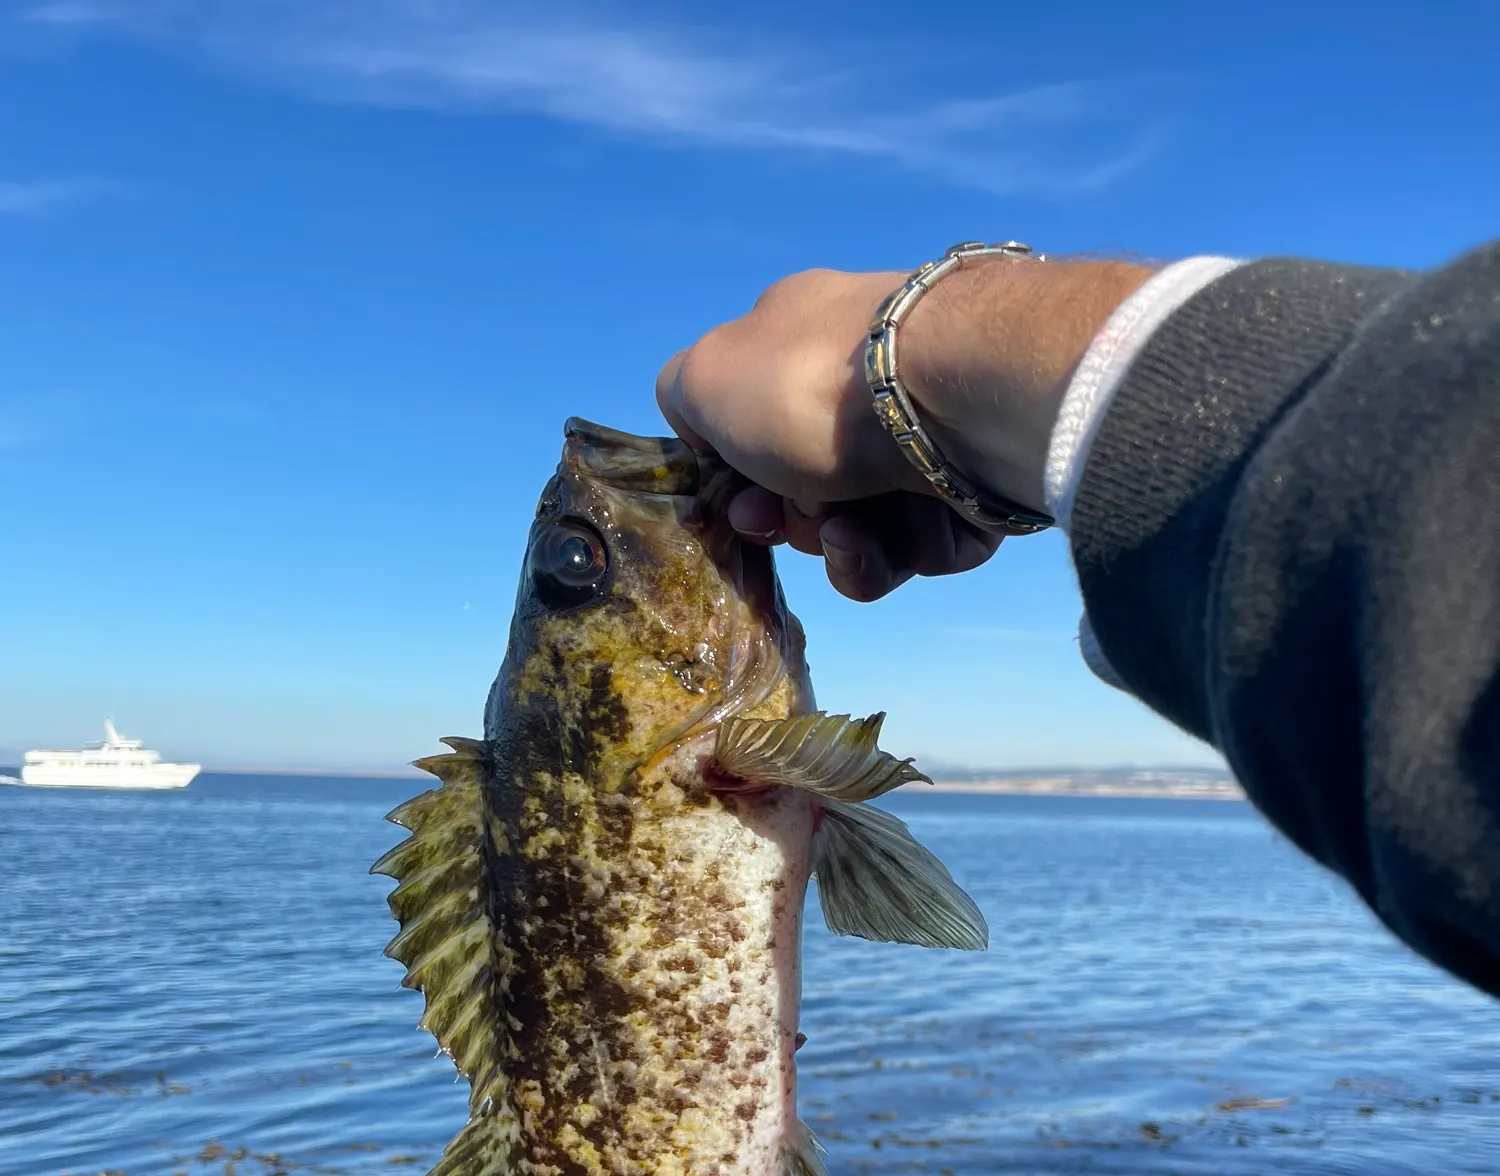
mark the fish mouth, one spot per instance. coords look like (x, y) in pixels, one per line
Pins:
(643, 465)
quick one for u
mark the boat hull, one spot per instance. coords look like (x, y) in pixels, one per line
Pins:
(154, 777)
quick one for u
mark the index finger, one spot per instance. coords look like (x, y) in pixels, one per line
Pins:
(669, 401)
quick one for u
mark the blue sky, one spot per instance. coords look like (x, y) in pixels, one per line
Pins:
(295, 296)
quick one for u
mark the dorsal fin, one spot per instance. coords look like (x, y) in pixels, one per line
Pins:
(448, 942)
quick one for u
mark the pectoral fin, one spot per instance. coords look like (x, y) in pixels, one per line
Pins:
(877, 882)
(801, 1154)
(832, 755)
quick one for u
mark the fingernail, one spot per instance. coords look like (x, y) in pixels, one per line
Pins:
(844, 561)
(760, 536)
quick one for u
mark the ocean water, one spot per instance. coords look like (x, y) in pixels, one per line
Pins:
(193, 983)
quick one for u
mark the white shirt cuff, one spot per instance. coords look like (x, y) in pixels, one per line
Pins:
(1093, 387)
(1103, 369)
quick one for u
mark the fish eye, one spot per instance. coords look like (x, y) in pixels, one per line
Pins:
(568, 563)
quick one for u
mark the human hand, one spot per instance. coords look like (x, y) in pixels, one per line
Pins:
(780, 395)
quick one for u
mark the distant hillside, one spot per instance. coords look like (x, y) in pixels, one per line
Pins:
(957, 772)
(1173, 782)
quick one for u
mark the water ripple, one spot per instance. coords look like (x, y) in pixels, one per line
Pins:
(193, 983)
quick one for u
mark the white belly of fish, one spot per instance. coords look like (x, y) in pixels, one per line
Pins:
(710, 953)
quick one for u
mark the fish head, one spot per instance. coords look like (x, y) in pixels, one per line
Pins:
(642, 618)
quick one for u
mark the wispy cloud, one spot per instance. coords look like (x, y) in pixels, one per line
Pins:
(629, 77)
(39, 196)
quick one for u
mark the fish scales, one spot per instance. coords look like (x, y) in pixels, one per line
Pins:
(659, 1002)
(603, 902)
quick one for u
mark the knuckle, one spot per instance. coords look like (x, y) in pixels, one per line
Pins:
(691, 369)
(792, 288)
(667, 378)
(771, 295)
(696, 369)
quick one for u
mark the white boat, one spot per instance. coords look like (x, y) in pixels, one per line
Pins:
(113, 763)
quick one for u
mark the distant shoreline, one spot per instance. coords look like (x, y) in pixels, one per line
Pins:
(1065, 788)
(1170, 784)
(407, 773)
(1147, 785)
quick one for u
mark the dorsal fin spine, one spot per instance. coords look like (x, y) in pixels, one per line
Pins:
(448, 941)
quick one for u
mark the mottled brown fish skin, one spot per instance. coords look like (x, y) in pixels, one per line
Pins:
(640, 963)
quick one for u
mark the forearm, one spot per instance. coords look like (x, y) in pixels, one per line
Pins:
(990, 353)
(1285, 535)
(1282, 505)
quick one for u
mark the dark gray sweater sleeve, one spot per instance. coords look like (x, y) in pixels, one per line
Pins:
(1288, 539)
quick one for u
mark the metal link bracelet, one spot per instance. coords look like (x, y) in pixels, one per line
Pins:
(893, 404)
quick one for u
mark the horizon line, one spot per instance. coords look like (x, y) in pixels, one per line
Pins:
(946, 772)
(938, 774)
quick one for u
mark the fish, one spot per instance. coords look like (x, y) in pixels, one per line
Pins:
(602, 899)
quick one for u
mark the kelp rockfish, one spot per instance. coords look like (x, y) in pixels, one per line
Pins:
(602, 903)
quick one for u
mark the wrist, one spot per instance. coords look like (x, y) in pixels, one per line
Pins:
(988, 354)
